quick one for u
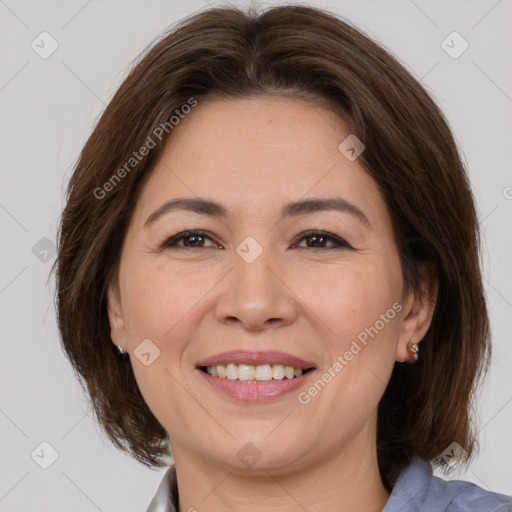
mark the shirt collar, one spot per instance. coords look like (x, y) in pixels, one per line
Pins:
(410, 487)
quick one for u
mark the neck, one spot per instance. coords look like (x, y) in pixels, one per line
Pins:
(349, 481)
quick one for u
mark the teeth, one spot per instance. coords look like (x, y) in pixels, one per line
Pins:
(278, 371)
(263, 372)
(248, 373)
(231, 371)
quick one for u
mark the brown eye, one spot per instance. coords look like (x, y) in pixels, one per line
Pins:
(197, 239)
(191, 239)
(319, 239)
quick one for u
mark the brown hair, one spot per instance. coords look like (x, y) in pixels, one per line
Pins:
(410, 153)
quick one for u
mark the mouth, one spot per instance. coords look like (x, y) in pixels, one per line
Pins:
(247, 366)
(255, 376)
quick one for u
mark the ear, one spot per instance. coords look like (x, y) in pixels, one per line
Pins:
(118, 332)
(418, 312)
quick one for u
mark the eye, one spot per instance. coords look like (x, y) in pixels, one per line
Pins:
(320, 238)
(196, 239)
(190, 240)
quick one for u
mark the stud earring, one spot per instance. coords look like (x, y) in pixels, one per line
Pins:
(413, 349)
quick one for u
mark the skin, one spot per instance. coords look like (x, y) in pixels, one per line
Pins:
(309, 300)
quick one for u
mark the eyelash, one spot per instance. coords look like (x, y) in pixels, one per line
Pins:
(172, 241)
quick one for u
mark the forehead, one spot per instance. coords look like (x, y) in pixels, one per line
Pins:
(259, 152)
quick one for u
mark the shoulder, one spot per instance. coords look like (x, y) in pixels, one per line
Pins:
(461, 496)
(417, 490)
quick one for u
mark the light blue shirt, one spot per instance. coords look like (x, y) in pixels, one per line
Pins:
(415, 490)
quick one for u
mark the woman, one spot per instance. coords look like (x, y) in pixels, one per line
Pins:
(269, 262)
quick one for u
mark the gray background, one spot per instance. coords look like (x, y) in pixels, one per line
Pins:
(48, 108)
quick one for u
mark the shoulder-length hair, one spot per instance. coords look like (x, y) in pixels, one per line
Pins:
(409, 151)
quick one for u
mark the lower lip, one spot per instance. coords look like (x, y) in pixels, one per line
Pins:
(255, 391)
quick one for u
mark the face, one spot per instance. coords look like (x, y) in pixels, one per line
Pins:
(253, 282)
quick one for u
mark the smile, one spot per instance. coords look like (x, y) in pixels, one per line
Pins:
(254, 374)
(249, 376)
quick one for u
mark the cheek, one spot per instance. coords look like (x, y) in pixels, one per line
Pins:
(164, 395)
(161, 308)
(159, 300)
(355, 310)
(348, 299)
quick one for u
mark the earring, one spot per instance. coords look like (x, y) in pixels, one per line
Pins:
(414, 349)
(122, 353)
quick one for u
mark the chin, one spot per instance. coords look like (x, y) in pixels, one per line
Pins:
(257, 455)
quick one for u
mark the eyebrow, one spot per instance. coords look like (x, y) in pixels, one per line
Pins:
(211, 208)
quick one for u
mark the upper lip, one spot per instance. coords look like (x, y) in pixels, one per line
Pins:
(255, 359)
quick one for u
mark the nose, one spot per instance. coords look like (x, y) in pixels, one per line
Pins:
(256, 295)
